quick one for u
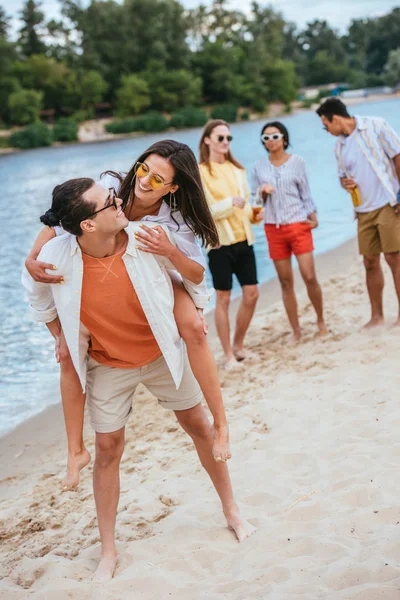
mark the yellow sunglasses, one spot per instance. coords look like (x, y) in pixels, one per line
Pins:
(155, 181)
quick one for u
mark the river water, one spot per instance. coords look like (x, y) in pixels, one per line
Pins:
(28, 373)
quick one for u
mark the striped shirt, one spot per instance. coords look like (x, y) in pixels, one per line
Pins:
(379, 144)
(291, 201)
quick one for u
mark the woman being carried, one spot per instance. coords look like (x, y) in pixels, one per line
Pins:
(290, 215)
(162, 187)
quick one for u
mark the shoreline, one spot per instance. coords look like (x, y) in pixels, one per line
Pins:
(275, 111)
(23, 445)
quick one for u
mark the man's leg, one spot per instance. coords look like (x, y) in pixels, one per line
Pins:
(109, 450)
(307, 270)
(375, 283)
(285, 275)
(194, 421)
(393, 260)
(244, 316)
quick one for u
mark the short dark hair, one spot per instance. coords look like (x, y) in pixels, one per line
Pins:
(331, 107)
(282, 129)
(68, 207)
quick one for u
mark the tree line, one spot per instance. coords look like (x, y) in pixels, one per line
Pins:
(138, 56)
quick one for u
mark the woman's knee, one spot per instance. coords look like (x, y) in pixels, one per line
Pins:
(250, 296)
(286, 283)
(310, 279)
(192, 330)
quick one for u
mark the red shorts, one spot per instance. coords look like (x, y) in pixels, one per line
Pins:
(285, 240)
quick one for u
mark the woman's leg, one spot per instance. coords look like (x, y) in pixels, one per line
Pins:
(307, 270)
(285, 275)
(73, 401)
(223, 327)
(243, 318)
(203, 366)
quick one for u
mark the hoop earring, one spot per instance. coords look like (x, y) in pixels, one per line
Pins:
(172, 201)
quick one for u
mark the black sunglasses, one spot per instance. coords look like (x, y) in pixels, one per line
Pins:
(112, 196)
(221, 138)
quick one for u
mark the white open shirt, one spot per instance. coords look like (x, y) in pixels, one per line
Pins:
(149, 276)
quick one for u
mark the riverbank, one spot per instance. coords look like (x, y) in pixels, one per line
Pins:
(94, 131)
(314, 432)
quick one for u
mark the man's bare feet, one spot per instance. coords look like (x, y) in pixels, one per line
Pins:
(76, 462)
(242, 528)
(374, 322)
(106, 567)
(221, 450)
(232, 365)
(322, 328)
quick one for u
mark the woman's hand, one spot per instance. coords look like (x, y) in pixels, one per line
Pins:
(266, 189)
(312, 221)
(37, 270)
(154, 240)
(258, 216)
(238, 201)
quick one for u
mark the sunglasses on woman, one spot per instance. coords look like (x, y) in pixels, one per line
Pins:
(221, 138)
(271, 137)
(110, 202)
(156, 181)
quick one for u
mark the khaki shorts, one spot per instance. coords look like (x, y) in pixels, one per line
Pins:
(110, 391)
(378, 231)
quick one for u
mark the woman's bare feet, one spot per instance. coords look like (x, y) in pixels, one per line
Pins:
(232, 365)
(239, 353)
(295, 338)
(76, 462)
(221, 450)
(106, 567)
(374, 322)
(242, 528)
(322, 328)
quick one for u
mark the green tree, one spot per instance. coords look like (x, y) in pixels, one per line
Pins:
(170, 90)
(57, 82)
(92, 88)
(24, 106)
(30, 35)
(392, 68)
(133, 96)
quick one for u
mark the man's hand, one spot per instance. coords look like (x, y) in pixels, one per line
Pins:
(348, 184)
(155, 240)
(203, 320)
(238, 201)
(37, 270)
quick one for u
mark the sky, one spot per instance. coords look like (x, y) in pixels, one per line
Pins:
(338, 13)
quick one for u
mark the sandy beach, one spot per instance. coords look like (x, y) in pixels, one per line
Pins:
(316, 447)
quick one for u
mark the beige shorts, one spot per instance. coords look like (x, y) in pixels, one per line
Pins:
(378, 231)
(110, 391)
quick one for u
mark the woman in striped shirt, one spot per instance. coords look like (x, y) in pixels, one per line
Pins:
(290, 215)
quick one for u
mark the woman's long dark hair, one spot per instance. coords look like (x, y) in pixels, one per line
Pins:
(204, 148)
(189, 199)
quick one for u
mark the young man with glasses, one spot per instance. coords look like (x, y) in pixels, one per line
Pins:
(115, 308)
(368, 159)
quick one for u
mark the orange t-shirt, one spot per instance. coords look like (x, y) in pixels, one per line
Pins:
(120, 332)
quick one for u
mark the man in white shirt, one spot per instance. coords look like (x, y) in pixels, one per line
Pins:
(368, 158)
(118, 338)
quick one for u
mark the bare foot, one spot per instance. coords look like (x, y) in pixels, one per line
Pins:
(374, 322)
(221, 450)
(240, 353)
(295, 338)
(242, 528)
(232, 365)
(322, 328)
(396, 323)
(106, 568)
(76, 462)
